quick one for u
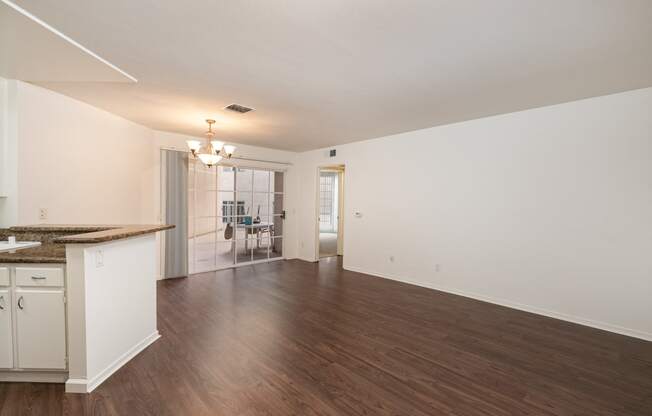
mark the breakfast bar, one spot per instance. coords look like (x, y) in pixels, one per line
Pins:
(80, 305)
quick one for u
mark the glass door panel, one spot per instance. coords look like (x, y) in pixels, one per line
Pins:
(224, 254)
(244, 180)
(260, 205)
(234, 216)
(205, 178)
(225, 229)
(243, 250)
(261, 180)
(245, 204)
(225, 178)
(276, 248)
(205, 204)
(227, 206)
(261, 248)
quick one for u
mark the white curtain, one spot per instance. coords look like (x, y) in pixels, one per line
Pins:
(175, 189)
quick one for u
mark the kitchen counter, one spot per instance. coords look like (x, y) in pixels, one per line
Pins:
(46, 253)
(108, 288)
(55, 237)
(93, 234)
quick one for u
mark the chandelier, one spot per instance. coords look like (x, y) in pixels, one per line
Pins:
(214, 150)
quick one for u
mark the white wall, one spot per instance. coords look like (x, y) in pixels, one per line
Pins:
(119, 294)
(548, 210)
(8, 151)
(82, 164)
(4, 127)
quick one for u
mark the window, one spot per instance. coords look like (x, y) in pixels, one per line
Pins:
(328, 201)
(228, 214)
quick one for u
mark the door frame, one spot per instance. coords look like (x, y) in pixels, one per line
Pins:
(341, 170)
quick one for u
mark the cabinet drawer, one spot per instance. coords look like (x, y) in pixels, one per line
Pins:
(39, 276)
(4, 276)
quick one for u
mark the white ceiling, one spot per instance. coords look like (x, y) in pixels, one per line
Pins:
(31, 50)
(321, 73)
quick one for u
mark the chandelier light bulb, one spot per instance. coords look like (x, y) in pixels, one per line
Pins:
(209, 159)
(217, 145)
(229, 150)
(194, 146)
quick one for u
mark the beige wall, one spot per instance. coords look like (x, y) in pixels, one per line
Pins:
(85, 165)
(81, 164)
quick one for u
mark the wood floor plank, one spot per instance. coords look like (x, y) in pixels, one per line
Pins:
(298, 338)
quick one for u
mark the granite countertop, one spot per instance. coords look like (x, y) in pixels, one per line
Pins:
(55, 237)
(92, 234)
(45, 253)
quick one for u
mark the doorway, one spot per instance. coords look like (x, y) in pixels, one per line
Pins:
(235, 216)
(330, 206)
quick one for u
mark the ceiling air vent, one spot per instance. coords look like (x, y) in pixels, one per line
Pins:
(238, 108)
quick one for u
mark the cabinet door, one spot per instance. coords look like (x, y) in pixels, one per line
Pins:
(40, 329)
(6, 336)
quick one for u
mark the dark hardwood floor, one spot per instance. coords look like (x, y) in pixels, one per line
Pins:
(297, 338)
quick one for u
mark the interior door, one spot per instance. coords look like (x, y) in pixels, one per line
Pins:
(6, 338)
(41, 329)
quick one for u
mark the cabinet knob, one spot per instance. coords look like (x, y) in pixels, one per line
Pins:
(2, 302)
(20, 303)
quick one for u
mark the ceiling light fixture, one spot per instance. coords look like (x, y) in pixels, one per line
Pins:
(194, 146)
(213, 151)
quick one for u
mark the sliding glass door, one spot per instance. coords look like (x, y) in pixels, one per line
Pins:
(235, 216)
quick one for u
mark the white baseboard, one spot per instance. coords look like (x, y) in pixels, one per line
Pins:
(82, 385)
(18, 376)
(309, 260)
(515, 305)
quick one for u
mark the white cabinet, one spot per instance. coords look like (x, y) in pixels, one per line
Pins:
(40, 329)
(32, 322)
(6, 340)
(4, 276)
(39, 276)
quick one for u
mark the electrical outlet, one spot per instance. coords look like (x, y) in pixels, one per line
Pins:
(42, 214)
(99, 258)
